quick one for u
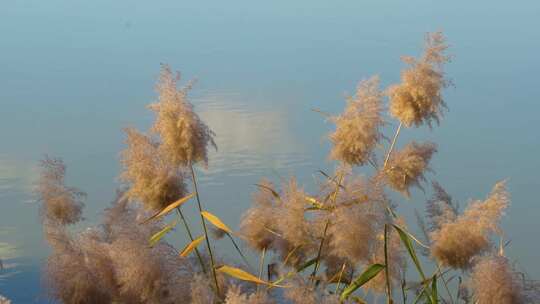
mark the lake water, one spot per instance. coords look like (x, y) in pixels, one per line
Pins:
(74, 73)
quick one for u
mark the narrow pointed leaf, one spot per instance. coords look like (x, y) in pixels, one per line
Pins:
(216, 221)
(274, 193)
(407, 241)
(160, 234)
(189, 248)
(434, 293)
(365, 277)
(243, 275)
(169, 208)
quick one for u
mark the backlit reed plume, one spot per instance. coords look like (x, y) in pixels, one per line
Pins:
(151, 179)
(358, 128)
(60, 204)
(495, 282)
(458, 241)
(184, 136)
(439, 208)
(236, 296)
(113, 263)
(356, 203)
(418, 98)
(300, 291)
(278, 222)
(406, 167)
(4, 300)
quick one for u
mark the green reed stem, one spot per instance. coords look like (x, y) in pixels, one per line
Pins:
(205, 229)
(191, 237)
(386, 268)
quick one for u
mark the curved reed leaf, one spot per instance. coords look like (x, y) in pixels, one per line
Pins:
(365, 277)
(216, 221)
(160, 234)
(243, 275)
(189, 248)
(169, 208)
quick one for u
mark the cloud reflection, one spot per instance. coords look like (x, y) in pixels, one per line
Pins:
(250, 141)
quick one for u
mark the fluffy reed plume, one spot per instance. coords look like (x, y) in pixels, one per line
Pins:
(351, 234)
(495, 282)
(358, 128)
(439, 208)
(301, 292)
(79, 274)
(201, 291)
(258, 222)
(4, 300)
(406, 167)
(355, 221)
(236, 296)
(278, 223)
(418, 98)
(151, 179)
(458, 241)
(60, 204)
(184, 136)
(113, 263)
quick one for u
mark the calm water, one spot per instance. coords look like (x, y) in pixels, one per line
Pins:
(74, 73)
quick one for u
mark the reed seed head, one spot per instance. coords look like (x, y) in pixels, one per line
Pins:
(358, 127)
(60, 204)
(406, 167)
(457, 242)
(418, 98)
(184, 136)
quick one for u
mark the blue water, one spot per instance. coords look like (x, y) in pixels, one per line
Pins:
(74, 73)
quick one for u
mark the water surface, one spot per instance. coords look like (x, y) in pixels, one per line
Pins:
(74, 73)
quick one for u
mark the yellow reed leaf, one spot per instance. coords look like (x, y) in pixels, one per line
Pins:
(189, 248)
(216, 221)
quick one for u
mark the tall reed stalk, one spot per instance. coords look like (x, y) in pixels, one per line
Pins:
(203, 222)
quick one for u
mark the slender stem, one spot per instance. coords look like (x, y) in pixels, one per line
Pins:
(191, 237)
(261, 264)
(392, 145)
(205, 229)
(238, 249)
(334, 198)
(386, 268)
(339, 279)
(441, 275)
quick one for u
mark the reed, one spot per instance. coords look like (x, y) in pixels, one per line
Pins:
(343, 243)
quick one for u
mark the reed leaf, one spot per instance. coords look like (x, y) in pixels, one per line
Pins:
(216, 221)
(160, 234)
(169, 208)
(243, 275)
(365, 277)
(191, 246)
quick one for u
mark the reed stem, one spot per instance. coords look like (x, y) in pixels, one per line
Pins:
(191, 237)
(205, 229)
(392, 144)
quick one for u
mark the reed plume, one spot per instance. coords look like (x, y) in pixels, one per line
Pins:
(4, 300)
(456, 242)
(495, 282)
(358, 127)
(236, 296)
(418, 98)
(151, 179)
(60, 204)
(184, 136)
(406, 167)
(440, 208)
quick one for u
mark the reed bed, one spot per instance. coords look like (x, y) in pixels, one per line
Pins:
(344, 243)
